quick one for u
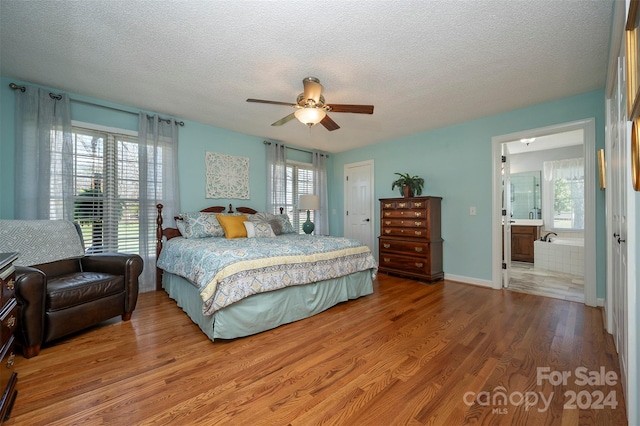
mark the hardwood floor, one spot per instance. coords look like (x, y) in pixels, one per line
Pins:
(409, 354)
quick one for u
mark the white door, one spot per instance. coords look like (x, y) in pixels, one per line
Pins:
(359, 208)
(506, 216)
(620, 134)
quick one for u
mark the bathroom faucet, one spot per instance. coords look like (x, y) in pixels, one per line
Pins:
(546, 237)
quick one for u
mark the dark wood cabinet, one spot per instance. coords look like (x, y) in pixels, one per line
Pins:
(410, 242)
(8, 324)
(522, 238)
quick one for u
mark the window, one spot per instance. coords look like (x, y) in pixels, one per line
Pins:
(106, 190)
(563, 193)
(300, 181)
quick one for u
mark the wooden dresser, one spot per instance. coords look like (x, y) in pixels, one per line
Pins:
(410, 242)
(8, 323)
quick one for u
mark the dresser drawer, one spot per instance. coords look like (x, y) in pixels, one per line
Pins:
(7, 284)
(8, 356)
(405, 232)
(397, 262)
(404, 214)
(406, 247)
(8, 320)
(410, 223)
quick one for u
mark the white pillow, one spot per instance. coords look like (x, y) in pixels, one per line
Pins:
(257, 230)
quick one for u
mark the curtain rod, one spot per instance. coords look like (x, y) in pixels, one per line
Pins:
(14, 86)
(296, 149)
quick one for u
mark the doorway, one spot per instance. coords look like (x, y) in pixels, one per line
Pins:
(534, 215)
(359, 204)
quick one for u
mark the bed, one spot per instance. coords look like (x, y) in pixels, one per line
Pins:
(236, 287)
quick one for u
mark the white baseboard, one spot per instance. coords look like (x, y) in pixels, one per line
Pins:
(469, 280)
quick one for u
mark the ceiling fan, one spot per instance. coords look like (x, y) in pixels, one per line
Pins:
(311, 108)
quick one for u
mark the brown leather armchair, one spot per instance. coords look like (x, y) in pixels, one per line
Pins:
(59, 298)
(58, 288)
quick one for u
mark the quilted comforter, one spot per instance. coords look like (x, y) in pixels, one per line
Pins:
(228, 270)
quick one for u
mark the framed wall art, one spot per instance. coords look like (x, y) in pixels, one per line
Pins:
(227, 176)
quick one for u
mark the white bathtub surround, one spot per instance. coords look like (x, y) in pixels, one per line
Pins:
(561, 254)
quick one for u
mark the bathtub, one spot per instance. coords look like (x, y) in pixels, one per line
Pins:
(564, 255)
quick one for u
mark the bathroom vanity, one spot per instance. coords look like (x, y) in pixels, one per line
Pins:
(522, 239)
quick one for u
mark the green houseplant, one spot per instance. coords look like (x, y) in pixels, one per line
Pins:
(413, 184)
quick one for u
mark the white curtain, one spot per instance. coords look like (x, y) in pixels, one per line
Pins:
(276, 177)
(44, 155)
(321, 217)
(158, 169)
(572, 170)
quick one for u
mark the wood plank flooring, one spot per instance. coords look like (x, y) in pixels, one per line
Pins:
(526, 278)
(410, 354)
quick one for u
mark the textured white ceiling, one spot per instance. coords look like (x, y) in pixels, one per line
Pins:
(423, 64)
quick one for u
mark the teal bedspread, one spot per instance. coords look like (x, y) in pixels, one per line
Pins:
(228, 270)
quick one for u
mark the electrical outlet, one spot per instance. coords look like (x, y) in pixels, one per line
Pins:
(472, 210)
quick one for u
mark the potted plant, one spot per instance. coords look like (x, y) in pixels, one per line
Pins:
(409, 185)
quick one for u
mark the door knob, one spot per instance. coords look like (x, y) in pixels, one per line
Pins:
(616, 235)
(620, 240)
(366, 220)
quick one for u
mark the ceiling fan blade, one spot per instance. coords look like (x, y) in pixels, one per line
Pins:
(312, 88)
(329, 123)
(356, 109)
(284, 120)
(260, 101)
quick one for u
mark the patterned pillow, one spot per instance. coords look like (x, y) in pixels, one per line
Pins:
(201, 225)
(180, 224)
(280, 223)
(258, 230)
(287, 227)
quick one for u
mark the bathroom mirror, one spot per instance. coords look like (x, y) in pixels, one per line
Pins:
(525, 195)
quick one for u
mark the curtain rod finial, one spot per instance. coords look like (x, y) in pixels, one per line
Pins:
(14, 86)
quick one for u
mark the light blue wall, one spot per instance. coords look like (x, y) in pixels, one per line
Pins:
(456, 164)
(195, 140)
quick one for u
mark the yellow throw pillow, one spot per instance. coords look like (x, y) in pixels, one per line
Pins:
(233, 226)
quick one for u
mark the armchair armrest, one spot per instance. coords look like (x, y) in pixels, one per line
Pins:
(129, 265)
(30, 291)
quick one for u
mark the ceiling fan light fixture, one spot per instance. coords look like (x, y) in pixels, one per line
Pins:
(310, 116)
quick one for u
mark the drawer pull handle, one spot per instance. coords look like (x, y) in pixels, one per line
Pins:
(11, 321)
(11, 285)
(386, 259)
(418, 232)
(418, 223)
(386, 245)
(402, 205)
(387, 213)
(417, 204)
(10, 360)
(418, 249)
(386, 206)
(387, 231)
(419, 265)
(387, 222)
(418, 214)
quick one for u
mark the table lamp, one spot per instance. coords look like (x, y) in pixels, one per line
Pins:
(308, 202)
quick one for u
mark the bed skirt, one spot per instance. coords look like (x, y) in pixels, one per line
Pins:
(265, 311)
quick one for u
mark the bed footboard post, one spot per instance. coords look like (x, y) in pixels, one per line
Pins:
(158, 246)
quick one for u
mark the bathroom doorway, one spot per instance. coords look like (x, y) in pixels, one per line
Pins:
(550, 248)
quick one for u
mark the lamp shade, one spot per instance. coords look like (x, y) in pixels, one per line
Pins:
(310, 116)
(309, 202)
